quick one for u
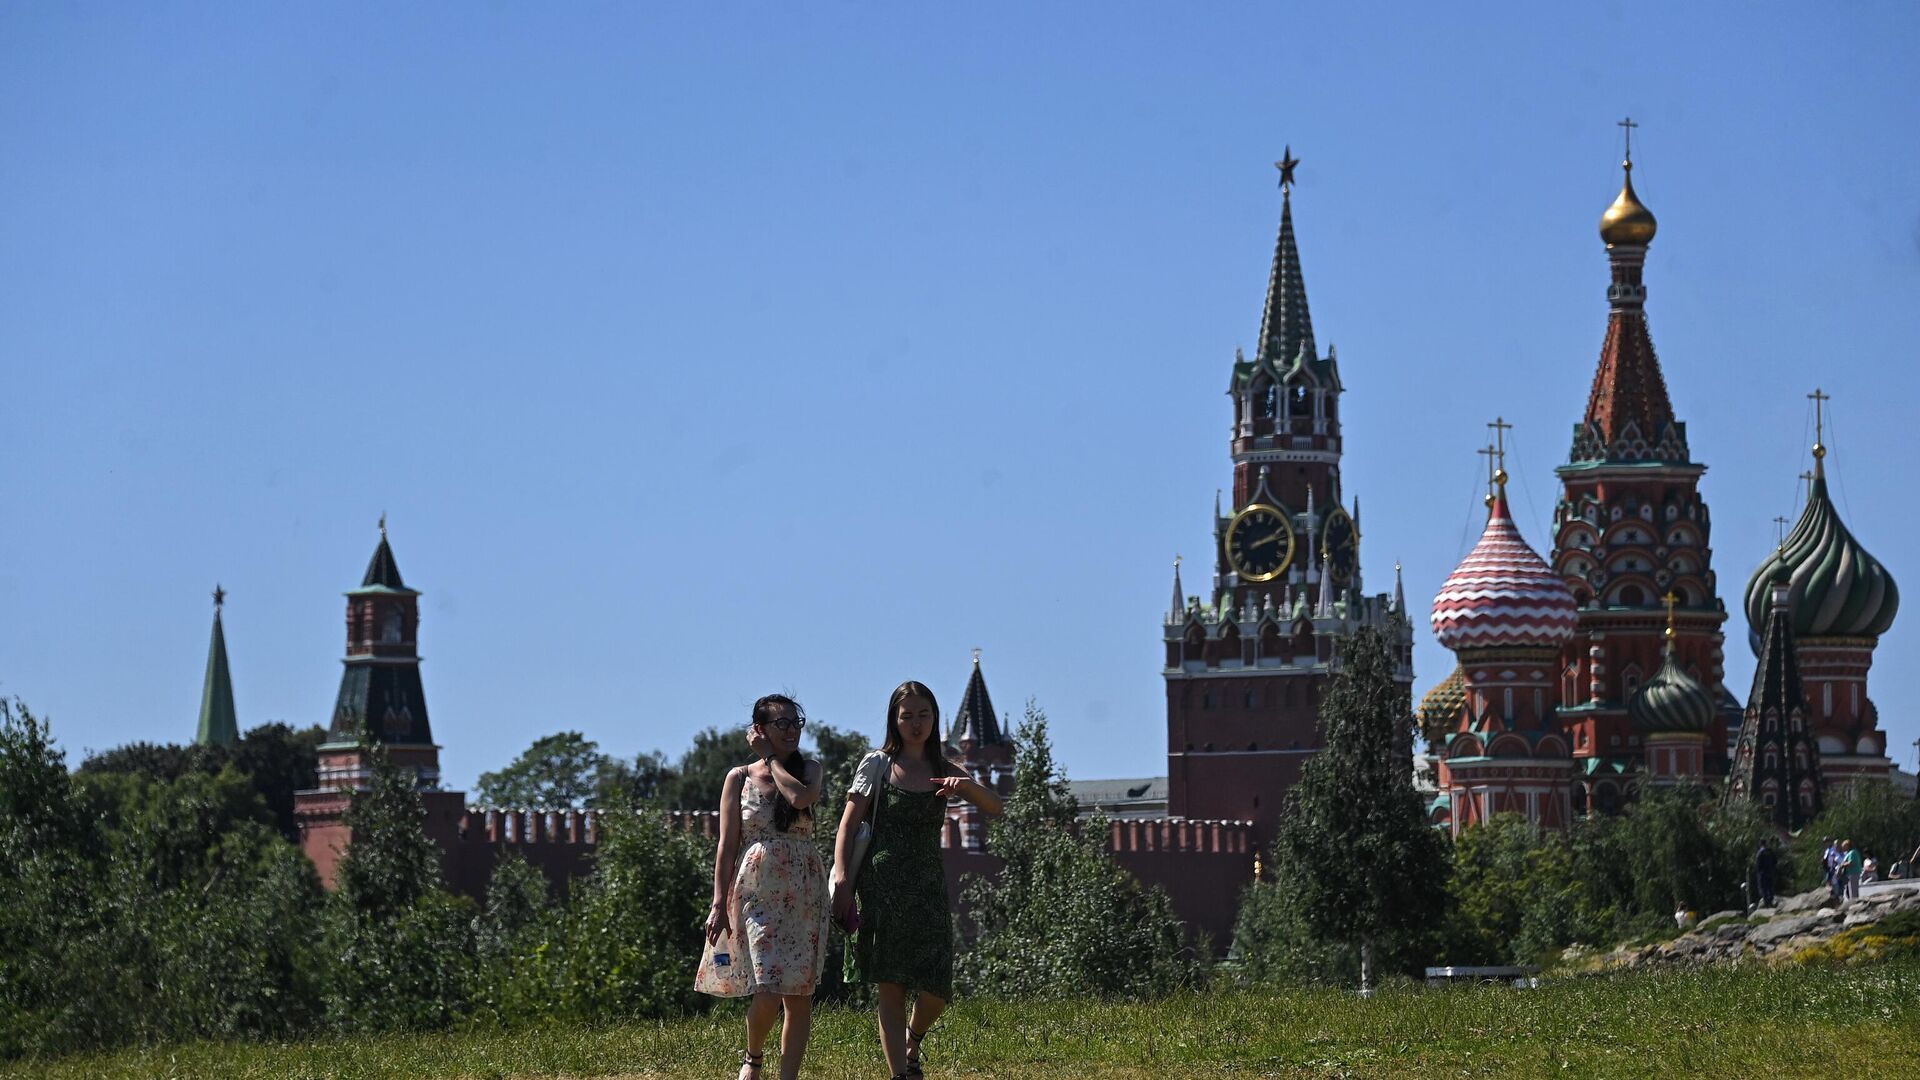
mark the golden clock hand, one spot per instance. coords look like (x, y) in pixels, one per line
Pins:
(1270, 538)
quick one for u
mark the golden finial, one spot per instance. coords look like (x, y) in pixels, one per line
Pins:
(1819, 398)
(383, 524)
(976, 657)
(1488, 452)
(1286, 165)
(1627, 221)
(1670, 600)
(219, 596)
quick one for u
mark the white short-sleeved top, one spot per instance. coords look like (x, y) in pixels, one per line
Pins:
(871, 774)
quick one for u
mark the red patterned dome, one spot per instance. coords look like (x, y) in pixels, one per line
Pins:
(1502, 594)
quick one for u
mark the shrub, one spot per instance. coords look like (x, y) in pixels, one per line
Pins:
(1062, 918)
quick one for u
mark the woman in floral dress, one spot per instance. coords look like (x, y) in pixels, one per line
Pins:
(767, 929)
(905, 938)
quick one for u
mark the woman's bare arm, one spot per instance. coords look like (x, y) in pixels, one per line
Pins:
(801, 792)
(729, 850)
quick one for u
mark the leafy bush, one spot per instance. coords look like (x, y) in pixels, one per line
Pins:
(1881, 822)
(143, 909)
(630, 940)
(1062, 918)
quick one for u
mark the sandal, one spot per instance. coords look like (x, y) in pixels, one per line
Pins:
(914, 1038)
(751, 1060)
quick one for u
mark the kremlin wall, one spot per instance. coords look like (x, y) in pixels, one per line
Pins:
(1582, 676)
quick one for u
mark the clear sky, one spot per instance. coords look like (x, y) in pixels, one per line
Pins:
(696, 351)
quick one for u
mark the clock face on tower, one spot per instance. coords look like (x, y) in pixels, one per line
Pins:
(1259, 543)
(1340, 546)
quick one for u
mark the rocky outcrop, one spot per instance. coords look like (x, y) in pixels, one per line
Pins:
(1769, 935)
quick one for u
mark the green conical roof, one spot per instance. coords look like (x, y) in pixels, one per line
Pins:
(219, 724)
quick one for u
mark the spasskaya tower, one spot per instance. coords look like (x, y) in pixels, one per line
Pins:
(1247, 662)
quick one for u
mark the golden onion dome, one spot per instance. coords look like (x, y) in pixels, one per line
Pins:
(1627, 221)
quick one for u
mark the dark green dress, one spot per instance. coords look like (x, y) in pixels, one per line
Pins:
(906, 929)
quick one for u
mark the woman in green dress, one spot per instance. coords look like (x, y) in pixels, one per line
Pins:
(904, 943)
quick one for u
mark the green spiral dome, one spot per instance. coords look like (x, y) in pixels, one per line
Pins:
(1838, 589)
(1671, 701)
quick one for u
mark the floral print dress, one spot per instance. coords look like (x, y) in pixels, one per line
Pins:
(777, 909)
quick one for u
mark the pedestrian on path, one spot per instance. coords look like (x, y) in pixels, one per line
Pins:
(1849, 871)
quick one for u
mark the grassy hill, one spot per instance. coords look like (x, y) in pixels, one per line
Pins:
(1798, 1021)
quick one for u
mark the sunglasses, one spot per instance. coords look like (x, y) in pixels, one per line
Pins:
(786, 724)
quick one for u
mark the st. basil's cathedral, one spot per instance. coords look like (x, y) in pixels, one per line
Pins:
(1601, 667)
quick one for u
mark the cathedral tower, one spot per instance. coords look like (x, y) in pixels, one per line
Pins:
(1630, 528)
(1507, 617)
(1777, 762)
(1841, 600)
(1247, 662)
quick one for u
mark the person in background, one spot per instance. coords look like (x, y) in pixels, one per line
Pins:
(1765, 865)
(904, 937)
(1830, 864)
(1849, 871)
(767, 929)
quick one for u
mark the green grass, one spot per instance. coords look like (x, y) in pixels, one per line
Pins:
(1800, 1021)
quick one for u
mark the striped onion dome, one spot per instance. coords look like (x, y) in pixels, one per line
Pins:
(1671, 701)
(1838, 589)
(1502, 594)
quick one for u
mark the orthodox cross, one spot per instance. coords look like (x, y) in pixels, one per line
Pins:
(1819, 398)
(383, 524)
(1629, 125)
(1806, 492)
(1286, 165)
(219, 596)
(1489, 452)
(1500, 427)
(1670, 600)
(1780, 532)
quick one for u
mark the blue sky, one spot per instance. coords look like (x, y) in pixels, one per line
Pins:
(696, 351)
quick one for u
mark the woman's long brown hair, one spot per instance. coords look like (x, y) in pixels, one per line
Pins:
(936, 749)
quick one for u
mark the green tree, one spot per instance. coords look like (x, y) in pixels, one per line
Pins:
(1881, 822)
(702, 770)
(399, 946)
(1353, 848)
(649, 779)
(1061, 917)
(513, 937)
(1515, 896)
(558, 771)
(277, 758)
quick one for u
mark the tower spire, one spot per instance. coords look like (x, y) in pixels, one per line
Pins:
(1819, 398)
(1179, 596)
(1286, 328)
(219, 725)
(1629, 415)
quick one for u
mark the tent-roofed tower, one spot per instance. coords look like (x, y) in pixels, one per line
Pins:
(381, 704)
(219, 724)
(1841, 600)
(1629, 529)
(1777, 761)
(1247, 661)
(978, 743)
